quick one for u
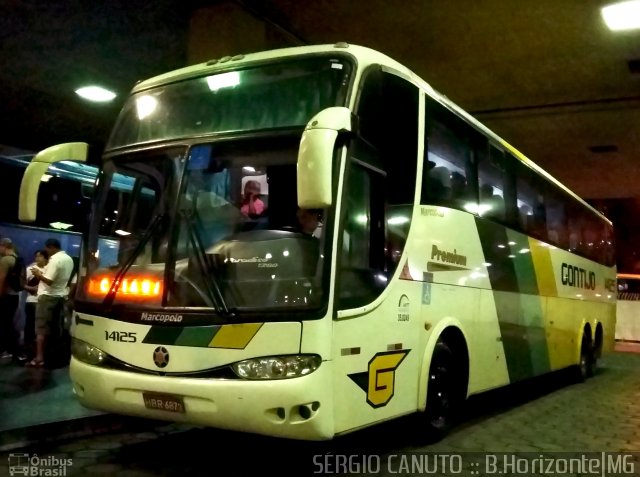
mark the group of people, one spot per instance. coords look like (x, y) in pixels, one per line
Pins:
(47, 282)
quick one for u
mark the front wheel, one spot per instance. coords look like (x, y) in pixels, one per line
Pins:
(444, 394)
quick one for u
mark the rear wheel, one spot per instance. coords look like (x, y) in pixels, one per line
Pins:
(593, 362)
(586, 366)
(444, 394)
(596, 351)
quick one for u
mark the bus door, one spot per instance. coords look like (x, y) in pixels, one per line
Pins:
(375, 375)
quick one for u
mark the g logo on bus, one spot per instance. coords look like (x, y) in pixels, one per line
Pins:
(161, 356)
(379, 381)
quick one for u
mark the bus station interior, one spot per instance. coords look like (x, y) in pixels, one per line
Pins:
(547, 76)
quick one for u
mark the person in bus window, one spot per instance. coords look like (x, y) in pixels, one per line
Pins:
(459, 191)
(252, 206)
(310, 221)
(493, 202)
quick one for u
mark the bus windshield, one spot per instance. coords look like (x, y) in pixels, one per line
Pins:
(268, 96)
(212, 226)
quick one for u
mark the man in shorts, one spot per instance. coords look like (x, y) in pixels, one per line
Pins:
(52, 291)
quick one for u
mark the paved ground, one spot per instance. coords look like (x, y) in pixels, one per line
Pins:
(543, 416)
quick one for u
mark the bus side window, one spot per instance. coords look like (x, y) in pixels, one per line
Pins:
(447, 173)
(440, 184)
(532, 194)
(557, 225)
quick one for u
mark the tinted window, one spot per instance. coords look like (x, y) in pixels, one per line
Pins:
(379, 187)
(448, 177)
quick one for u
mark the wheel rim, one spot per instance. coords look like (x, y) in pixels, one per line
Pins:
(583, 365)
(585, 360)
(440, 395)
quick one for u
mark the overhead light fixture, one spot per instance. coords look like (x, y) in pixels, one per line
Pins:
(622, 15)
(60, 225)
(96, 94)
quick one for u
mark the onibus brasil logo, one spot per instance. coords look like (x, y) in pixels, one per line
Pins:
(32, 465)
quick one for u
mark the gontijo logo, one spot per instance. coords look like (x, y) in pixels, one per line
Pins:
(162, 317)
(379, 380)
(574, 276)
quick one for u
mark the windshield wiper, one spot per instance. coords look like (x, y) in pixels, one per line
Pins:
(108, 299)
(205, 266)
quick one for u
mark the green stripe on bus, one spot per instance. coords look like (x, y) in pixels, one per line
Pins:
(165, 335)
(495, 245)
(199, 336)
(518, 306)
(522, 262)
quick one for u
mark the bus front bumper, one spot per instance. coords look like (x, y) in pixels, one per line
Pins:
(297, 408)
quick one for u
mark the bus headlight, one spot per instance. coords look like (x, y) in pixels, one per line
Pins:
(277, 367)
(86, 353)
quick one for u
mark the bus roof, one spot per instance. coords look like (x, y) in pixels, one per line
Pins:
(364, 56)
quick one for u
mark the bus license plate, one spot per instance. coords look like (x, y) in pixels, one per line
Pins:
(163, 402)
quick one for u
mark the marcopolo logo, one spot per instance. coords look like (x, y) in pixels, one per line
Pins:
(161, 317)
(577, 277)
(26, 464)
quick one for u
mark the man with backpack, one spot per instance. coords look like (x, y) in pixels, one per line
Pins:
(12, 280)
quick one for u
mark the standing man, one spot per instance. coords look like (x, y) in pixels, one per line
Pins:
(52, 290)
(9, 298)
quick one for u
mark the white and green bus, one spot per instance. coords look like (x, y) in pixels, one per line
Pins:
(443, 262)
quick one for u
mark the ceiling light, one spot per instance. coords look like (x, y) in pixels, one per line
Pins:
(60, 225)
(96, 94)
(622, 15)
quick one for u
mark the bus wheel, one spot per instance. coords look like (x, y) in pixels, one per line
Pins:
(586, 364)
(443, 393)
(592, 364)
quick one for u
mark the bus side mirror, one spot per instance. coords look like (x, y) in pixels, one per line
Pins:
(316, 155)
(72, 151)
